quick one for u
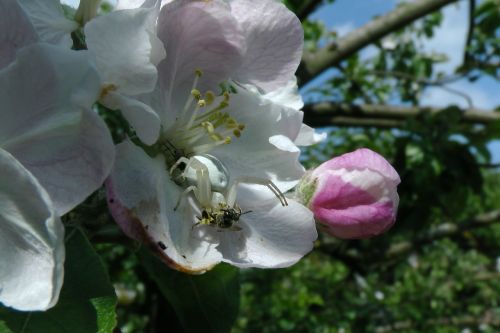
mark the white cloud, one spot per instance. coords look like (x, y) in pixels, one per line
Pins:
(450, 36)
(344, 28)
(72, 3)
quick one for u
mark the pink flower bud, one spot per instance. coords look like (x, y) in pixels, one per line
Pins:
(353, 195)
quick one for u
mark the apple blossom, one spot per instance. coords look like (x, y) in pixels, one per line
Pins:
(124, 47)
(353, 195)
(54, 152)
(211, 189)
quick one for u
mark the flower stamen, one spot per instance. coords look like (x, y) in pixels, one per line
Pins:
(204, 126)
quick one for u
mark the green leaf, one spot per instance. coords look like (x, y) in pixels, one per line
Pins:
(203, 303)
(87, 300)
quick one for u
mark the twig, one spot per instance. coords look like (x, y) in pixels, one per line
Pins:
(426, 82)
(470, 32)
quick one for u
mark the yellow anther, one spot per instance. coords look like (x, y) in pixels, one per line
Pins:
(231, 123)
(198, 72)
(202, 103)
(209, 97)
(237, 133)
(196, 94)
(226, 97)
(241, 127)
(227, 140)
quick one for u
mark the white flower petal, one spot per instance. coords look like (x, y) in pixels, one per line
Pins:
(16, 31)
(31, 240)
(287, 95)
(142, 117)
(274, 39)
(197, 35)
(261, 157)
(48, 126)
(121, 42)
(272, 236)
(49, 21)
(308, 136)
(147, 213)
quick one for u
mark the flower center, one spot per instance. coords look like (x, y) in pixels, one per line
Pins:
(203, 124)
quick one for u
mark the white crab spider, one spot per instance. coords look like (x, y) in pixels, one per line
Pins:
(208, 179)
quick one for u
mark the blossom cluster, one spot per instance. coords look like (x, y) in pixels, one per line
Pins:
(208, 88)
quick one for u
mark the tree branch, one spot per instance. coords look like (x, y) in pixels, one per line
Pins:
(470, 32)
(308, 6)
(386, 116)
(316, 62)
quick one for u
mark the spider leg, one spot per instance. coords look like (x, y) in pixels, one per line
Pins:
(184, 194)
(179, 162)
(231, 193)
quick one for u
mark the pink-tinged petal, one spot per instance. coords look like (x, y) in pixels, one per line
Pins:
(48, 126)
(142, 117)
(16, 31)
(363, 221)
(31, 240)
(362, 159)
(147, 213)
(50, 22)
(197, 35)
(274, 38)
(272, 236)
(122, 43)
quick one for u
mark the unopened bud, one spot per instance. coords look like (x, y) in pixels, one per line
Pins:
(353, 195)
